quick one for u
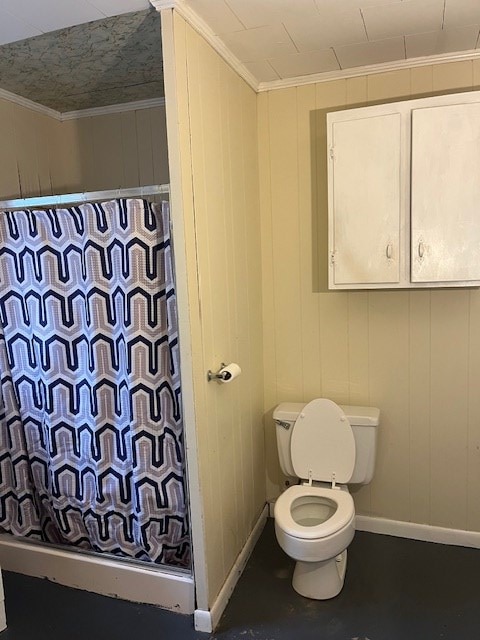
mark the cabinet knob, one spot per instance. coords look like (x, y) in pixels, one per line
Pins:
(389, 251)
(421, 250)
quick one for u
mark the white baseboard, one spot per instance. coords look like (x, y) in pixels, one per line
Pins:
(207, 620)
(414, 531)
(110, 577)
(203, 620)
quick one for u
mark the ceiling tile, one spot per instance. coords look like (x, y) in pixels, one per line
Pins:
(446, 41)
(253, 45)
(461, 12)
(262, 71)
(13, 28)
(58, 14)
(336, 28)
(218, 15)
(328, 5)
(267, 12)
(403, 18)
(358, 55)
(302, 64)
(117, 7)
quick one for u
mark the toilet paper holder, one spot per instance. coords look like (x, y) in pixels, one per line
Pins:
(218, 375)
(223, 374)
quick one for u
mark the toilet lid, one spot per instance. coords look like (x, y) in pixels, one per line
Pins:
(322, 443)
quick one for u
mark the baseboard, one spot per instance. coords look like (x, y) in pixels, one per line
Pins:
(207, 620)
(414, 531)
(203, 620)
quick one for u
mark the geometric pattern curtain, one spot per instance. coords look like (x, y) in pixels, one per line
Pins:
(91, 438)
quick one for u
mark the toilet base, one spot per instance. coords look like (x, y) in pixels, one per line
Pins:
(320, 580)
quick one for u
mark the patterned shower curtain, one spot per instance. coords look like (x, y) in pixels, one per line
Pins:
(91, 450)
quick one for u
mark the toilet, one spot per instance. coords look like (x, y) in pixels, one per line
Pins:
(325, 447)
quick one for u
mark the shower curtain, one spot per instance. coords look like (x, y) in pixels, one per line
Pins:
(91, 450)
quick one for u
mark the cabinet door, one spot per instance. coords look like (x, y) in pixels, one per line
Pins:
(365, 205)
(445, 182)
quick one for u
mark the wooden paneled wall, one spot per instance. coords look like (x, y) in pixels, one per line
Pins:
(117, 150)
(414, 354)
(27, 158)
(217, 132)
(41, 155)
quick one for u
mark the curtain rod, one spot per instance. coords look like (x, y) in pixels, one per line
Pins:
(88, 196)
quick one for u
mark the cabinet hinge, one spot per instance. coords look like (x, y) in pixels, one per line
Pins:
(332, 257)
(331, 153)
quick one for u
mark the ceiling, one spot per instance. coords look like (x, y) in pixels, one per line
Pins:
(76, 54)
(70, 55)
(279, 39)
(20, 19)
(107, 62)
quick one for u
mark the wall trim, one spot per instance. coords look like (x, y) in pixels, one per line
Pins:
(411, 530)
(414, 531)
(81, 113)
(113, 108)
(195, 21)
(179, 199)
(208, 620)
(29, 104)
(384, 67)
(118, 578)
(164, 4)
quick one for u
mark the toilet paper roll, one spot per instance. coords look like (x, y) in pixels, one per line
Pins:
(229, 373)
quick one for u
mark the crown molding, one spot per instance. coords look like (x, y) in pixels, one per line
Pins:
(384, 67)
(81, 113)
(195, 21)
(29, 104)
(114, 108)
(164, 4)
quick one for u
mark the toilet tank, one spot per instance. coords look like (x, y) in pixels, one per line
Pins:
(364, 422)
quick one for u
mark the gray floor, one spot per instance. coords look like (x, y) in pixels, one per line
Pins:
(394, 590)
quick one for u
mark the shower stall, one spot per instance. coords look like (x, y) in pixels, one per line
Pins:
(92, 466)
(95, 118)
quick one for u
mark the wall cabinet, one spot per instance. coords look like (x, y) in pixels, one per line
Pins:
(404, 194)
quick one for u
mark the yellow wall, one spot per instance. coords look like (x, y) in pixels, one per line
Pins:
(126, 149)
(27, 142)
(41, 155)
(216, 114)
(414, 354)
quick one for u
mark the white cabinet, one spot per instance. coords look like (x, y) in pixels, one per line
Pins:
(404, 194)
(366, 196)
(446, 193)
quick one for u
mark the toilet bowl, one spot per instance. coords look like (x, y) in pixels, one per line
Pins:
(314, 525)
(315, 520)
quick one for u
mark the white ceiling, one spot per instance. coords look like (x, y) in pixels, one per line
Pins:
(280, 39)
(21, 19)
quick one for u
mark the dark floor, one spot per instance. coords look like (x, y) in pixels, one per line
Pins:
(394, 590)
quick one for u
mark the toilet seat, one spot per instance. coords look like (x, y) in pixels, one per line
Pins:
(343, 515)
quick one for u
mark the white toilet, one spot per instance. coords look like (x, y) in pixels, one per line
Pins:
(326, 446)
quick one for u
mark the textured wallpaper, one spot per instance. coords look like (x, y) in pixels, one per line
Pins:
(100, 63)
